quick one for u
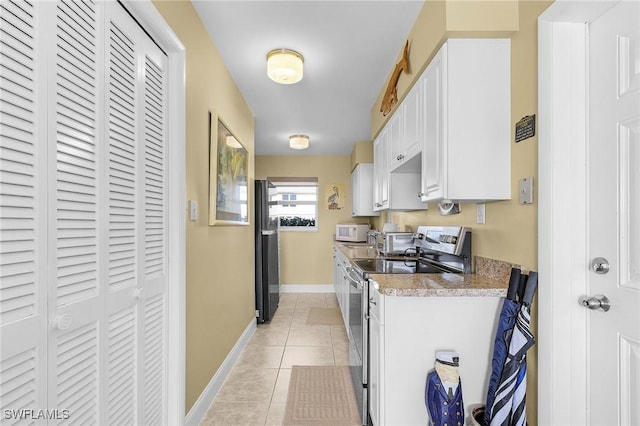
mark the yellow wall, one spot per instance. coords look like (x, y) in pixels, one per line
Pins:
(220, 281)
(437, 21)
(306, 257)
(510, 232)
(362, 152)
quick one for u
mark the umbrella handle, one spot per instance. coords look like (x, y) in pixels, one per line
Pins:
(514, 284)
(530, 290)
(522, 286)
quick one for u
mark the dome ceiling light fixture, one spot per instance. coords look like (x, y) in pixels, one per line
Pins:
(285, 66)
(299, 141)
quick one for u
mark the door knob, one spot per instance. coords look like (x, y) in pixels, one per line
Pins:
(597, 302)
(62, 322)
(600, 265)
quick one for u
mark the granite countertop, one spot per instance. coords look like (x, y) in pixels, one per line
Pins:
(439, 285)
(357, 250)
(490, 280)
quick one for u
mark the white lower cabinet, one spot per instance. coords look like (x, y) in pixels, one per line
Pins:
(404, 335)
(341, 284)
(376, 347)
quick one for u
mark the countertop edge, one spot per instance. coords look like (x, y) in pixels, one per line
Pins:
(430, 285)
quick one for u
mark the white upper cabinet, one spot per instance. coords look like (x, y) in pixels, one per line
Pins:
(466, 152)
(362, 190)
(407, 126)
(397, 189)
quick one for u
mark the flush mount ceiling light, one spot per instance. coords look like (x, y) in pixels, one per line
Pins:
(284, 66)
(299, 141)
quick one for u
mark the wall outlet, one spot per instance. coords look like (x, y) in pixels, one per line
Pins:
(193, 210)
(480, 213)
(526, 190)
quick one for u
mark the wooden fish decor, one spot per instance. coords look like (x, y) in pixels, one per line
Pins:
(391, 94)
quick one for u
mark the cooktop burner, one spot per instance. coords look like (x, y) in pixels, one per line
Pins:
(396, 266)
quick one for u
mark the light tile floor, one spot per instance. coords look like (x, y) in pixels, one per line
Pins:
(255, 393)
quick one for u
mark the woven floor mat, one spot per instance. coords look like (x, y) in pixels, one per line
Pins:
(321, 395)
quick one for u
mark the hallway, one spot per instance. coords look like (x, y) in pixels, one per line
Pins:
(255, 393)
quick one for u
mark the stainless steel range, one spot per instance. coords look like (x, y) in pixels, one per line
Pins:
(436, 249)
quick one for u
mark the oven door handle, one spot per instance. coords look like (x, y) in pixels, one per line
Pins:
(356, 283)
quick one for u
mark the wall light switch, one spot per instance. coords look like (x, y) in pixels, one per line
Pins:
(193, 210)
(526, 190)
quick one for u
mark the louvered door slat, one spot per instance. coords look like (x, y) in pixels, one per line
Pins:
(18, 381)
(122, 156)
(77, 366)
(122, 367)
(22, 211)
(76, 181)
(154, 170)
(18, 176)
(154, 359)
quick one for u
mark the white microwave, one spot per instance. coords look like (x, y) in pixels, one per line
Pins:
(351, 232)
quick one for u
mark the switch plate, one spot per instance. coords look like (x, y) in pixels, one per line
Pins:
(193, 210)
(481, 213)
(526, 190)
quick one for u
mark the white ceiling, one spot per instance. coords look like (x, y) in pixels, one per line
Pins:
(349, 49)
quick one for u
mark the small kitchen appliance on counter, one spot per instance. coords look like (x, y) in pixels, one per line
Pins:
(353, 232)
(394, 243)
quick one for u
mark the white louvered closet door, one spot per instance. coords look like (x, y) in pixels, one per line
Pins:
(136, 301)
(23, 256)
(83, 256)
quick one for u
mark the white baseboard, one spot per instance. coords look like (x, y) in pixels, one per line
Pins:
(199, 409)
(307, 288)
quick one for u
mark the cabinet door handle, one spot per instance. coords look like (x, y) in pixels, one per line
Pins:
(420, 194)
(373, 302)
(399, 157)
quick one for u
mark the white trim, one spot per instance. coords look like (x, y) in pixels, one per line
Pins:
(307, 288)
(151, 19)
(199, 409)
(563, 210)
(298, 228)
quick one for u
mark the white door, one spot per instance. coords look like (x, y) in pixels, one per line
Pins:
(84, 216)
(23, 177)
(614, 215)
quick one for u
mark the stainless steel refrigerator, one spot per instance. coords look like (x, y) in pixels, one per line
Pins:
(267, 263)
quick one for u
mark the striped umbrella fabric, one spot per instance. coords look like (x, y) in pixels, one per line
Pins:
(509, 406)
(508, 315)
(506, 322)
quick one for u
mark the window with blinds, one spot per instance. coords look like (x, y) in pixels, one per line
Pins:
(295, 203)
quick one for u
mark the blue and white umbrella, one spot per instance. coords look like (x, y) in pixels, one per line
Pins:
(509, 405)
(506, 323)
(506, 397)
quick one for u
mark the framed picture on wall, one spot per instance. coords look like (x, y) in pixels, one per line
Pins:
(228, 176)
